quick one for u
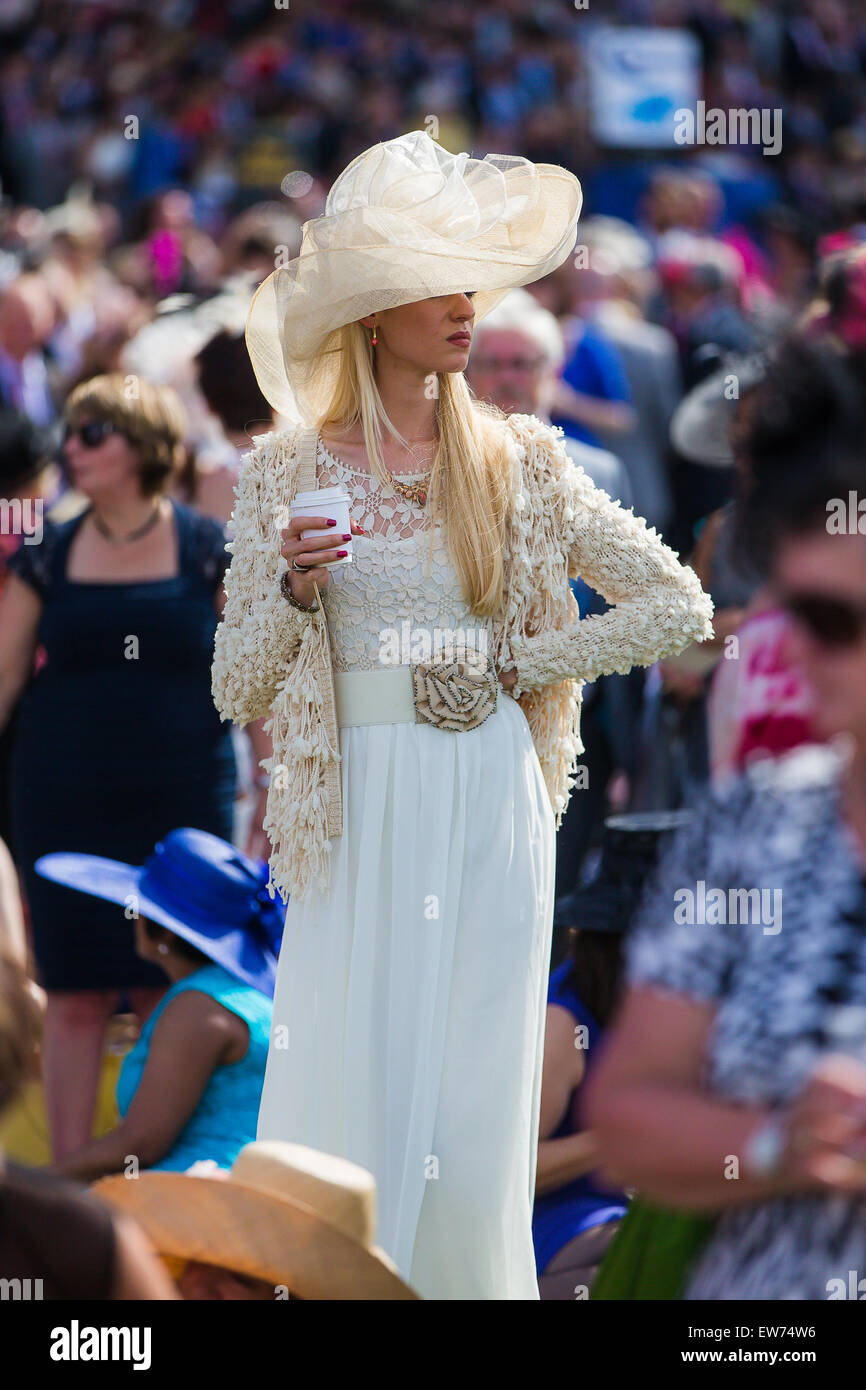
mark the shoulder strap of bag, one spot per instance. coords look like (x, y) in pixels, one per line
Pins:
(307, 442)
(306, 451)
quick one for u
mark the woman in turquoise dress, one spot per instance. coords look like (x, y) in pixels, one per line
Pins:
(189, 1090)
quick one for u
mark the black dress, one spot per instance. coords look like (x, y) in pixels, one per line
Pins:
(117, 740)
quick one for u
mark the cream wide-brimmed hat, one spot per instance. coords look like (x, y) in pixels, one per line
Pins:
(405, 221)
(288, 1215)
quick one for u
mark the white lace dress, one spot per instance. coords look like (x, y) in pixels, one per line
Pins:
(410, 1001)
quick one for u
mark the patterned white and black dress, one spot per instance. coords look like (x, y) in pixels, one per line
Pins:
(788, 979)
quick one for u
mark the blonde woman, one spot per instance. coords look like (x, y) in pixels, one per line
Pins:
(425, 703)
(116, 739)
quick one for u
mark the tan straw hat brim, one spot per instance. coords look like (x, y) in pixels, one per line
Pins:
(228, 1223)
(408, 221)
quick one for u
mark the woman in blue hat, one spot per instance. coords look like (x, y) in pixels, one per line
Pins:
(190, 1088)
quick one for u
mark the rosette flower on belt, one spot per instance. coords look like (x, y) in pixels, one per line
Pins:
(457, 693)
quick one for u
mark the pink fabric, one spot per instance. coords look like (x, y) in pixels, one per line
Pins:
(166, 254)
(760, 704)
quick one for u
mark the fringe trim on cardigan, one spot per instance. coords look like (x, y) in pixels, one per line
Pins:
(553, 713)
(271, 659)
(260, 633)
(296, 819)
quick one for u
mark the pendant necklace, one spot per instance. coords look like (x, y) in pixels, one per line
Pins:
(413, 492)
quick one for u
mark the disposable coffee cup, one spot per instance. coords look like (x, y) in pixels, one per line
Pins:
(327, 501)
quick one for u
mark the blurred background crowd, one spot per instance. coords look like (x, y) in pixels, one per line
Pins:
(156, 161)
(231, 98)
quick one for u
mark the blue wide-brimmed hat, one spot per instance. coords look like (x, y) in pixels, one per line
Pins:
(198, 886)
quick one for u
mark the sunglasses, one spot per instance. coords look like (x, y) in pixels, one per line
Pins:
(831, 622)
(91, 433)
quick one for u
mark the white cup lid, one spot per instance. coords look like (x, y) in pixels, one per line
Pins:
(317, 495)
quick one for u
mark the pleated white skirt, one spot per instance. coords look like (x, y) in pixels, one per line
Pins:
(410, 1002)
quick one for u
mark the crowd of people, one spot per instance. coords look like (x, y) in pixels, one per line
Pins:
(231, 99)
(704, 354)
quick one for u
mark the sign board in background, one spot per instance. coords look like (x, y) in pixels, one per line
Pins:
(638, 79)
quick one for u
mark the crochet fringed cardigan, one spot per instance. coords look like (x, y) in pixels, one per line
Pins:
(270, 658)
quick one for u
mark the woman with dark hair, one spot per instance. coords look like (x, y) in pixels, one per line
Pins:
(189, 1090)
(29, 484)
(228, 385)
(117, 739)
(740, 1048)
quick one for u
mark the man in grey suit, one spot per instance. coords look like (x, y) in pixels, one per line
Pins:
(517, 353)
(610, 293)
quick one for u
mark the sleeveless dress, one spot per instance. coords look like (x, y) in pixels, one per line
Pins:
(117, 740)
(225, 1118)
(410, 999)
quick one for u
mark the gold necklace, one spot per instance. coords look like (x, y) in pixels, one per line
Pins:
(413, 492)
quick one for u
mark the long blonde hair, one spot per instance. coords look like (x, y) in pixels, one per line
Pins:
(470, 488)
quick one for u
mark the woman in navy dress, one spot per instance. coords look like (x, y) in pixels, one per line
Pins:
(117, 739)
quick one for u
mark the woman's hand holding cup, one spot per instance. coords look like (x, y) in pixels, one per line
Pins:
(315, 551)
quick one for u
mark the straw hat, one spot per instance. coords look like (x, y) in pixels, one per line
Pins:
(285, 1214)
(405, 221)
(700, 429)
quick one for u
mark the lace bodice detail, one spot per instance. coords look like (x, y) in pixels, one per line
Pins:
(388, 605)
(376, 506)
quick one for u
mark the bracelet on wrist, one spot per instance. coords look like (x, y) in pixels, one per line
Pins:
(289, 596)
(765, 1147)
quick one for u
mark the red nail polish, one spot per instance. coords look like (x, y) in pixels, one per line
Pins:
(332, 521)
(342, 553)
(348, 537)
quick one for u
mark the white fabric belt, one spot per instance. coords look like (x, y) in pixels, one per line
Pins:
(386, 695)
(383, 696)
